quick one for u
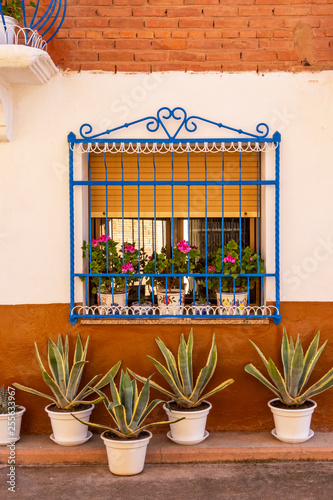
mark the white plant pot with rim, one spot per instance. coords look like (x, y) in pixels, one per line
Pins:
(292, 425)
(192, 430)
(67, 431)
(171, 302)
(232, 303)
(7, 35)
(126, 457)
(112, 303)
(10, 426)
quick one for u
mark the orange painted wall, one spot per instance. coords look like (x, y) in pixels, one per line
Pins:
(195, 35)
(240, 407)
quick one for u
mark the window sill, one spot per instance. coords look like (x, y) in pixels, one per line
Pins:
(174, 321)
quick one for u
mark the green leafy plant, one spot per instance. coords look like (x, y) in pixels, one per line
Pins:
(128, 408)
(104, 257)
(228, 261)
(63, 382)
(13, 8)
(186, 393)
(182, 262)
(297, 368)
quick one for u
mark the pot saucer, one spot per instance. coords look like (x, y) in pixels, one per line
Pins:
(291, 440)
(187, 442)
(72, 443)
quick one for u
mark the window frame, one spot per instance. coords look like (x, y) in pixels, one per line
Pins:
(89, 142)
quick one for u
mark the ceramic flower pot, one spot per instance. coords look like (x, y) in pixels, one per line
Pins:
(112, 303)
(292, 425)
(66, 430)
(143, 308)
(7, 34)
(10, 426)
(192, 430)
(126, 457)
(201, 309)
(171, 302)
(232, 303)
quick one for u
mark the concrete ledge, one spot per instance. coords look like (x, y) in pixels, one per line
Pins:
(218, 447)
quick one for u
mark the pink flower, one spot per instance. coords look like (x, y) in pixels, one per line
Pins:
(94, 242)
(229, 258)
(103, 238)
(251, 258)
(211, 269)
(127, 267)
(129, 248)
(183, 246)
(151, 257)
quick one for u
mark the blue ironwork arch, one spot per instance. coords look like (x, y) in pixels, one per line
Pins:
(179, 114)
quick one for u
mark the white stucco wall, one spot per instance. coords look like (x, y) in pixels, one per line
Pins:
(34, 195)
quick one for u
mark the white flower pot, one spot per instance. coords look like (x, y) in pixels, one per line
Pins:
(126, 457)
(292, 426)
(170, 303)
(10, 426)
(112, 304)
(190, 431)
(7, 35)
(201, 309)
(232, 303)
(66, 430)
(142, 309)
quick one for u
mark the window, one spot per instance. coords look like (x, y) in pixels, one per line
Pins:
(174, 227)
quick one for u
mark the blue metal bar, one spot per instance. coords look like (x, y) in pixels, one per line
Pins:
(172, 221)
(71, 229)
(199, 141)
(154, 219)
(277, 221)
(89, 212)
(176, 183)
(257, 235)
(181, 275)
(240, 208)
(206, 228)
(122, 215)
(139, 241)
(106, 214)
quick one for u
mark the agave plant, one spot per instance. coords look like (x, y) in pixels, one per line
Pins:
(64, 383)
(3, 400)
(180, 377)
(128, 408)
(290, 389)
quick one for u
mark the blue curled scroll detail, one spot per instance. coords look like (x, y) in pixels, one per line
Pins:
(178, 114)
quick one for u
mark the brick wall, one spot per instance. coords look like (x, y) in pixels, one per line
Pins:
(196, 35)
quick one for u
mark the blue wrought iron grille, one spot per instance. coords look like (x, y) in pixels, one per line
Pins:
(172, 222)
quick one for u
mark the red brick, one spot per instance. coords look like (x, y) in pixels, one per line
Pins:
(149, 11)
(79, 12)
(91, 23)
(220, 11)
(169, 44)
(125, 2)
(301, 10)
(275, 2)
(145, 34)
(247, 33)
(329, 32)
(111, 34)
(126, 23)
(214, 33)
(264, 33)
(230, 34)
(241, 44)
(319, 33)
(114, 12)
(276, 44)
(94, 34)
(179, 34)
(68, 23)
(196, 34)
(96, 44)
(133, 44)
(169, 66)
(84, 55)
(206, 66)
(184, 12)
(99, 66)
(127, 34)
(276, 66)
(288, 56)
(235, 22)
(77, 34)
(116, 55)
(223, 55)
(196, 23)
(95, 2)
(282, 34)
(255, 11)
(161, 23)
(187, 56)
(166, 2)
(325, 55)
(162, 34)
(232, 67)
(256, 55)
(201, 2)
(152, 56)
(133, 67)
(322, 10)
(204, 44)
(326, 22)
(267, 22)
(321, 43)
(65, 34)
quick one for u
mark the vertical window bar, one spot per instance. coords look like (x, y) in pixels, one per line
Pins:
(154, 214)
(106, 214)
(172, 221)
(257, 238)
(139, 222)
(90, 229)
(206, 227)
(222, 221)
(240, 208)
(277, 223)
(122, 222)
(71, 225)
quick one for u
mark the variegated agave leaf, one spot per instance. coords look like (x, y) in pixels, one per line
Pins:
(63, 382)
(297, 370)
(179, 375)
